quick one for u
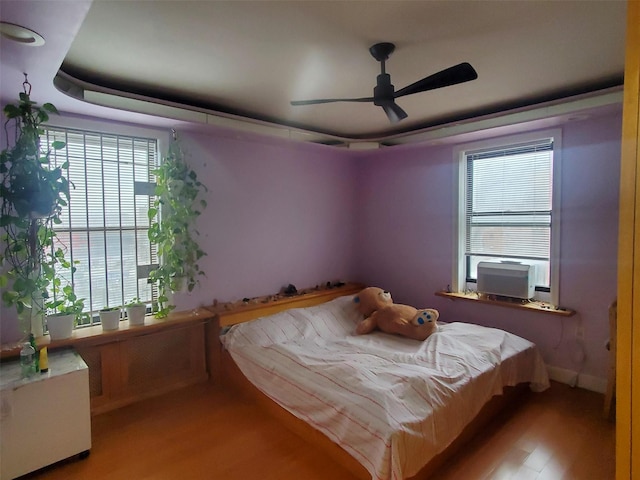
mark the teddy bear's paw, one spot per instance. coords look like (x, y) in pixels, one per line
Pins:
(424, 317)
(365, 326)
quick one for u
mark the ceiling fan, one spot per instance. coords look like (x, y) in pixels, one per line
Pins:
(384, 95)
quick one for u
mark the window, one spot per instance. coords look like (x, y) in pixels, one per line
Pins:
(104, 227)
(508, 191)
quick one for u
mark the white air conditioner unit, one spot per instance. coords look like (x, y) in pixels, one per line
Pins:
(506, 279)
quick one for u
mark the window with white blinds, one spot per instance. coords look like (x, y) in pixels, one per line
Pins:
(508, 207)
(104, 227)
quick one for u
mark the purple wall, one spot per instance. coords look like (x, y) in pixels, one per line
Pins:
(278, 212)
(406, 199)
(281, 212)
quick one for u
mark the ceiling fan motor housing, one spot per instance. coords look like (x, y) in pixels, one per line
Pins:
(383, 91)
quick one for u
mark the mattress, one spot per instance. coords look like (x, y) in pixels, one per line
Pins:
(392, 403)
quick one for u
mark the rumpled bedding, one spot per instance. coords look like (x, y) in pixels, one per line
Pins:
(393, 403)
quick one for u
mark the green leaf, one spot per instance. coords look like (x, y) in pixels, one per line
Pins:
(42, 116)
(49, 107)
(11, 111)
(55, 304)
(9, 297)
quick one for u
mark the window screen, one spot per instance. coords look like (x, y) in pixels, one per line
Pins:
(104, 227)
(509, 207)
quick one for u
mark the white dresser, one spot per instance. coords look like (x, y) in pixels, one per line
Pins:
(45, 418)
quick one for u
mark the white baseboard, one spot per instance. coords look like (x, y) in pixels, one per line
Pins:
(575, 379)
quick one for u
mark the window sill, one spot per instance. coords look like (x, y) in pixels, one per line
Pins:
(94, 335)
(535, 306)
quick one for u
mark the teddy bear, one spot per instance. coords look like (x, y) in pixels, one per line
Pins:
(371, 299)
(380, 312)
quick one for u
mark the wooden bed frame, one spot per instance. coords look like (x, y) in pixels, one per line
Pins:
(224, 370)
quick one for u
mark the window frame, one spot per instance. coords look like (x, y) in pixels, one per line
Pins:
(459, 281)
(106, 128)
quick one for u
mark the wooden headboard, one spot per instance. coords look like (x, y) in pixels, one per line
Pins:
(227, 314)
(250, 309)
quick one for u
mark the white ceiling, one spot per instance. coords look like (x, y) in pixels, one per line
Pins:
(249, 59)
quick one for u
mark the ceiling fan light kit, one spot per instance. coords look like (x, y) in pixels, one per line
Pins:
(384, 93)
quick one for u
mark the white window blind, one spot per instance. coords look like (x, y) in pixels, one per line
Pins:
(509, 206)
(105, 225)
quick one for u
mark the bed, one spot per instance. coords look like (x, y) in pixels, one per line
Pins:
(387, 407)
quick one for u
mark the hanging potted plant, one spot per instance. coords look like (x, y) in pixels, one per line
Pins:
(33, 194)
(176, 207)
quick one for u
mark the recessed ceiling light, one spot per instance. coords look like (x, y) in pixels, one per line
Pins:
(21, 34)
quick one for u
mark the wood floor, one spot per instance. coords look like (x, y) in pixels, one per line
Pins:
(204, 432)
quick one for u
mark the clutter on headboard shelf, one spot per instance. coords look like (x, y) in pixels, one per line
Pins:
(240, 310)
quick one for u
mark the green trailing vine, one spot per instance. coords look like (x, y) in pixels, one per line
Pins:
(173, 218)
(33, 194)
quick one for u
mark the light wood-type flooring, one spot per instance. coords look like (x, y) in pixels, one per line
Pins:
(204, 432)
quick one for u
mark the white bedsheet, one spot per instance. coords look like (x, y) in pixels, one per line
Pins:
(392, 403)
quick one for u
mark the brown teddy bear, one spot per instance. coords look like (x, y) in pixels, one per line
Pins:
(380, 312)
(371, 299)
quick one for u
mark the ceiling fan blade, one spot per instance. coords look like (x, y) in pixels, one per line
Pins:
(460, 73)
(394, 112)
(330, 100)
